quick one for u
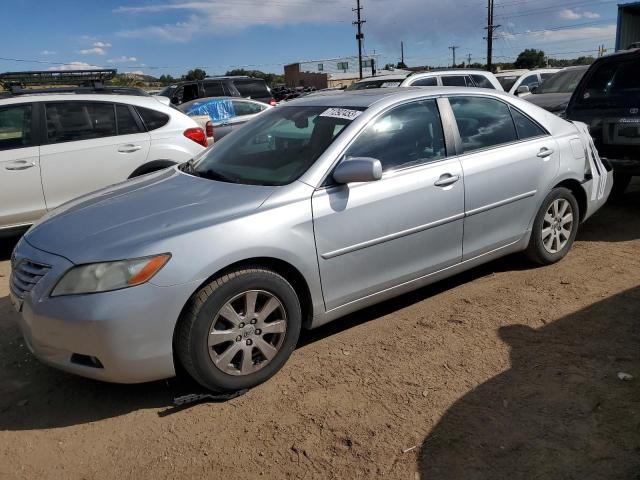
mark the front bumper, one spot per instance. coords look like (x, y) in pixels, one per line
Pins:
(129, 332)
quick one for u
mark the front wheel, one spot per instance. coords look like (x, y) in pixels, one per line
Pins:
(239, 330)
(554, 228)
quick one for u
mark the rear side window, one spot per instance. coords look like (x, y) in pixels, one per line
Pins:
(213, 89)
(482, 81)
(526, 127)
(407, 135)
(126, 122)
(457, 81)
(15, 127)
(530, 81)
(252, 88)
(73, 121)
(426, 82)
(152, 118)
(246, 108)
(482, 122)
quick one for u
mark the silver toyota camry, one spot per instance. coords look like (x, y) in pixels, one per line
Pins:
(313, 210)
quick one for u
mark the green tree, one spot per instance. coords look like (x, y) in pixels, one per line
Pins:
(530, 58)
(195, 74)
(270, 78)
(166, 79)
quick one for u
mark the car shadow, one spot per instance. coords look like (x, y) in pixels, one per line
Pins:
(617, 221)
(6, 246)
(560, 411)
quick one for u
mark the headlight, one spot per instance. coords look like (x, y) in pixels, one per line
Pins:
(104, 277)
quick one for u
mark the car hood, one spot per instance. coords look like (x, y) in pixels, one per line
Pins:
(550, 101)
(123, 218)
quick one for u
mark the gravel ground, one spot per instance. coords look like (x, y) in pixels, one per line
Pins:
(506, 371)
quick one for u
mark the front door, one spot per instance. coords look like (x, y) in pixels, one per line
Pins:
(83, 151)
(377, 235)
(21, 196)
(509, 162)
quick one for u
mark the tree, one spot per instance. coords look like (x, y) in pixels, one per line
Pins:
(196, 74)
(270, 78)
(166, 79)
(401, 65)
(530, 58)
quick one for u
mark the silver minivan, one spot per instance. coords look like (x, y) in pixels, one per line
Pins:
(313, 210)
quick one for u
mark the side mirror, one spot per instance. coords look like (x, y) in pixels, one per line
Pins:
(358, 169)
(522, 89)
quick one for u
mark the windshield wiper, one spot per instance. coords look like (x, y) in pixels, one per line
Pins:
(215, 175)
(187, 167)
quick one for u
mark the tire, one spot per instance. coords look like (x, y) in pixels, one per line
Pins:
(620, 183)
(216, 330)
(545, 250)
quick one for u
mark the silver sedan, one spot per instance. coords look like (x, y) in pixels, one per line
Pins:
(313, 210)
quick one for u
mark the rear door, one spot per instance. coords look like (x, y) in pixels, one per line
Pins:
(21, 196)
(83, 151)
(509, 162)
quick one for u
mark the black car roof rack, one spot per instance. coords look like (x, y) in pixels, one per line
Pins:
(87, 80)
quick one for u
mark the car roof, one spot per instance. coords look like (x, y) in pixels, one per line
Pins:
(151, 101)
(634, 52)
(392, 76)
(451, 71)
(366, 98)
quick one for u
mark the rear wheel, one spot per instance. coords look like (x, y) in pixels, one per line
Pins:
(554, 228)
(239, 330)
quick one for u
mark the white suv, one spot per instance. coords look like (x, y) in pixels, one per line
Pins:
(55, 147)
(453, 78)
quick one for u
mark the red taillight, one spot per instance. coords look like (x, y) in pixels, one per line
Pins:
(209, 129)
(197, 135)
(273, 102)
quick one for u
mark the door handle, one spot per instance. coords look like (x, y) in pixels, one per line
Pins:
(129, 148)
(446, 180)
(545, 152)
(20, 165)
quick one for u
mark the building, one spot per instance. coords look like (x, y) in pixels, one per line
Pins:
(329, 73)
(628, 31)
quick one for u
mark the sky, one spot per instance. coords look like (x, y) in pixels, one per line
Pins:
(172, 36)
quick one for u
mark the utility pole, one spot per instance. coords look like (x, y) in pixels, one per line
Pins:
(490, 29)
(360, 35)
(402, 52)
(468, 60)
(453, 48)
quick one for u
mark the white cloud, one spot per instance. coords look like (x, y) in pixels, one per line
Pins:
(93, 51)
(122, 59)
(569, 14)
(47, 52)
(583, 33)
(73, 66)
(101, 44)
(135, 73)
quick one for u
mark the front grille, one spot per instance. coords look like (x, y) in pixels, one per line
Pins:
(25, 274)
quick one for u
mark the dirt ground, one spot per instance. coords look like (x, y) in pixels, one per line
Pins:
(507, 371)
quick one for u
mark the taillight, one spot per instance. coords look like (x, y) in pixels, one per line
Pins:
(209, 129)
(198, 135)
(273, 102)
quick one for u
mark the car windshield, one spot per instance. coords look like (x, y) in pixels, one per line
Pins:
(613, 84)
(276, 148)
(374, 84)
(565, 81)
(507, 81)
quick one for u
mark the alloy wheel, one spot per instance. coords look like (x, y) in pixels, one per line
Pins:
(247, 332)
(557, 225)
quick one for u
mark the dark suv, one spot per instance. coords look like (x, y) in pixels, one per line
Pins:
(608, 100)
(247, 87)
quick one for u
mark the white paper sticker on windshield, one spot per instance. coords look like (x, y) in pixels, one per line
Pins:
(344, 113)
(390, 84)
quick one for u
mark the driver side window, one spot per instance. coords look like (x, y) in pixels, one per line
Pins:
(405, 136)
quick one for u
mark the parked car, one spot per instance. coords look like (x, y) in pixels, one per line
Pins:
(236, 86)
(461, 77)
(225, 114)
(608, 100)
(313, 210)
(383, 81)
(554, 93)
(55, 147)
(522, 82)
